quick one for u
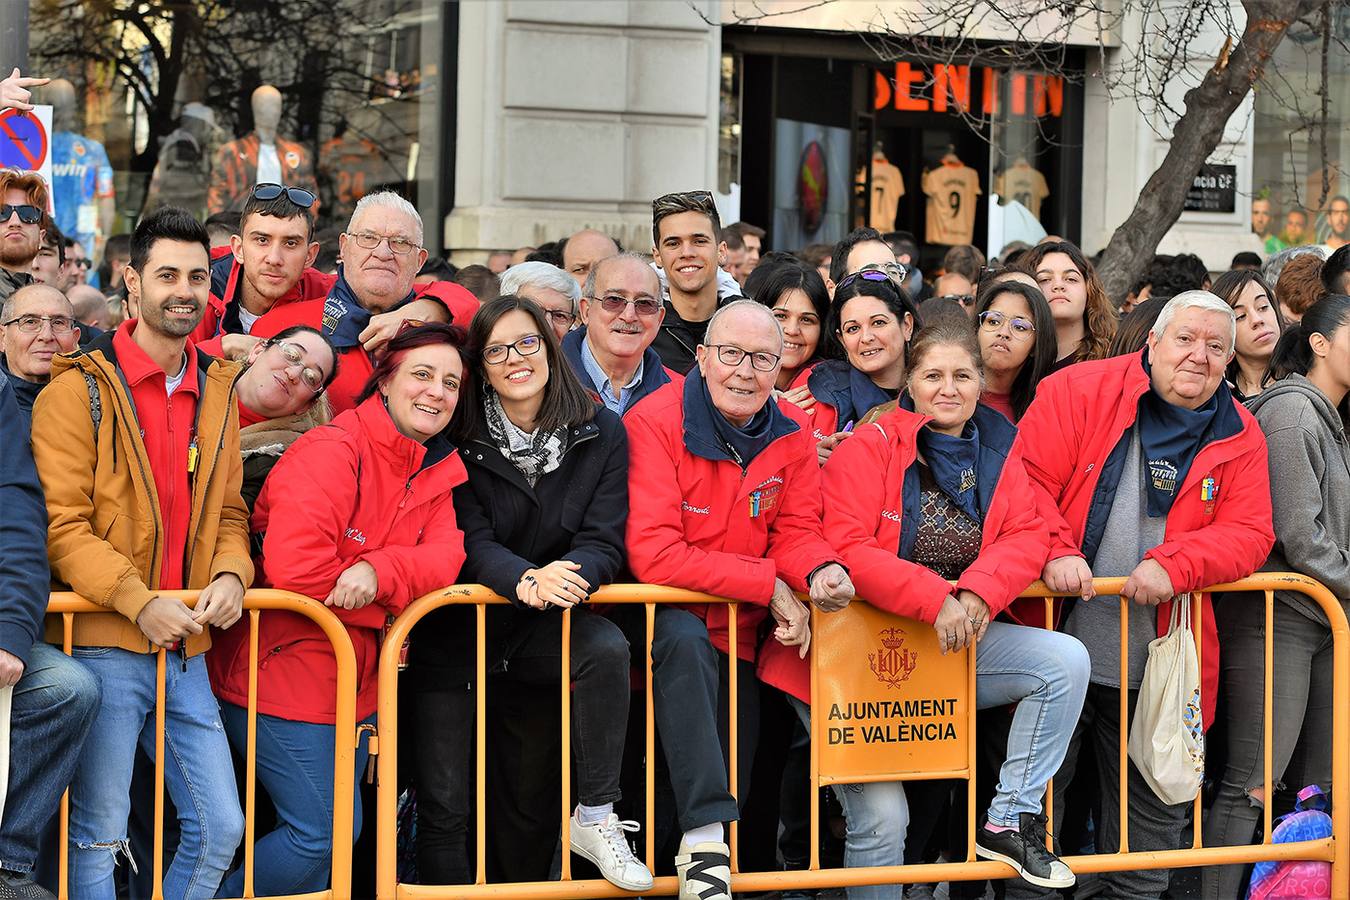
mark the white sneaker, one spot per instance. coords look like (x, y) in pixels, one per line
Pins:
(705, 872)
(604, 844)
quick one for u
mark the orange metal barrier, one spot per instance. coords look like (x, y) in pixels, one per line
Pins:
(388, 887)
(69, 605)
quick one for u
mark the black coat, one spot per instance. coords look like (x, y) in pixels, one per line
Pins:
(577, 512)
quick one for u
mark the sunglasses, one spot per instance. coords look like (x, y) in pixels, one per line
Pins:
(28, 215)
(964, 299)
(643, 306)
(269, 191)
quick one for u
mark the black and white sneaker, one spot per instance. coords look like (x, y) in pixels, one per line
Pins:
(705, 872)
(1024, 850)
(21, 887)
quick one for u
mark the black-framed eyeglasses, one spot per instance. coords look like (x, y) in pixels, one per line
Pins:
(966, 300)
(993, 320)
(310, 376)
(80, 262)
(366, 240)
(28, 214)
(561, 317)
(731, 355)
(496, 354)
(32, 323)
(271, 191)
(643, 306)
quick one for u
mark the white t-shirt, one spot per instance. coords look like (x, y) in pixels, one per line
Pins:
(246, 319)
(269, 164)
(174, 382)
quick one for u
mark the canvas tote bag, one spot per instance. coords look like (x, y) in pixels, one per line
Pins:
(1167, 739)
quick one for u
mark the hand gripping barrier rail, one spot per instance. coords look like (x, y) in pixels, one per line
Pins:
(68, 605)
(892, 668)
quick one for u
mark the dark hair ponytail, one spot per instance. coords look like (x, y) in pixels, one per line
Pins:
(1293, 354)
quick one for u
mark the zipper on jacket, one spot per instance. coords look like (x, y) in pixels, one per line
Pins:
(407, 492)
(196, 505)
(262, 663)
(155, 564)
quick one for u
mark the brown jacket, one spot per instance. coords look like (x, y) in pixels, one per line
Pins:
(105, 532)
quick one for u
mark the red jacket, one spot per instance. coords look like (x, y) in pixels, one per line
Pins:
(875, 528)
(346, 492)
(1071, 434)
(690, 521)
(225, 274)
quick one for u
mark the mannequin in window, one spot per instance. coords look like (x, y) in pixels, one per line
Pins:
(1024, 184)
(260, 157)
(183, 171)
(888, 186)
(82, 177)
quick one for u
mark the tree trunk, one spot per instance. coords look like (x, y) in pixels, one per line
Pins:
(1197, 132)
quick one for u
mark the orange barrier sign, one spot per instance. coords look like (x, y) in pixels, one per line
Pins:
(893, 706)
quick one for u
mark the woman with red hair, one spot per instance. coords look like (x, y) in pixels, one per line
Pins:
(357, 514)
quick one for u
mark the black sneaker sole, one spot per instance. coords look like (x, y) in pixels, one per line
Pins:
(986, 853)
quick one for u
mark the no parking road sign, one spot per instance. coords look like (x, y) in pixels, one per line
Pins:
(25, 140)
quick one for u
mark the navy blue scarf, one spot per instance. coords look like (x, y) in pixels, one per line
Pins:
(954, 463)
(344, 318)
(1170, 437)
(708, 434)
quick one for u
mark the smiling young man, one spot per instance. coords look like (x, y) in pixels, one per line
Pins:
(621, 312)
(136, 441)
(24, 199)
(687, 236)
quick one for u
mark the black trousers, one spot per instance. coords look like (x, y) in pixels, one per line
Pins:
(523, 799)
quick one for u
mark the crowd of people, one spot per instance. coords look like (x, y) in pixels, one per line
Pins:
(784, 430)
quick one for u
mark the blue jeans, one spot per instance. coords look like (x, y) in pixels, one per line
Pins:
(295, 765)
(1046, 674)
(54, 704)
(876, 817)
(197, 774)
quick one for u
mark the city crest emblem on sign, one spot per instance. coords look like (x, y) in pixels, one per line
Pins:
(892, 663)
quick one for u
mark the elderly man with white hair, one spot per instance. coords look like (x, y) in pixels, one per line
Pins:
(552, 289)
(1154, 473)
(727, 502)
(380, 253)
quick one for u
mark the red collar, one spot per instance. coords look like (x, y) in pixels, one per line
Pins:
(137, 366)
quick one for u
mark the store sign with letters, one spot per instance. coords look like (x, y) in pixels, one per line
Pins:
(976, 90)
(887, 701)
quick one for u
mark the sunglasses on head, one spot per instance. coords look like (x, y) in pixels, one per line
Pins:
(28, 215)
(876, 276)
(299, 196)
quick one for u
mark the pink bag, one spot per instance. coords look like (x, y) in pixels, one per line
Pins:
(1297, 879)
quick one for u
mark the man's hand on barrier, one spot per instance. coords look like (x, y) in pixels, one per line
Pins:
(1070, 576)
(11, 667)
(14, 94)
(827, 445)
(792, 617)
(977, 611)
(953, 626)
(221, 602)
(557, 583)
(166, 621)
(831, 588)
(356, 587)
(1148, 585)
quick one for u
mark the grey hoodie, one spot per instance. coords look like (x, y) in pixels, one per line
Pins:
(1310, 487)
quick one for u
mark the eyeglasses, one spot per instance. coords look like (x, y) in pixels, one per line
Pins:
(269, 191)
(496, 354)
(895, 270)
(80, 262)
(294, 355)
(368, 241)
(963, 299)
(643, 306)
(28, 215)
(32, 324)
(992, 320)
(731, 355)
(561, 316)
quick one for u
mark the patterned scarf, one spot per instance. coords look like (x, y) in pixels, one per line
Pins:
(535, 453)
